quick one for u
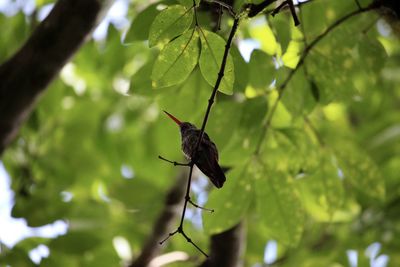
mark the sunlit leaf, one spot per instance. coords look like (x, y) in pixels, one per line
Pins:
(170, 23)
(281, 27)
(212, 51)
(263, 34)
(322, 190)
(176, 61)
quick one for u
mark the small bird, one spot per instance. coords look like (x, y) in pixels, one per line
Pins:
(207, 155)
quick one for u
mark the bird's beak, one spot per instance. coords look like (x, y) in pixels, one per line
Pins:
(173, 118)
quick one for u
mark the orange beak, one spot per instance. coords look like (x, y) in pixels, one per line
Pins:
(173, 118)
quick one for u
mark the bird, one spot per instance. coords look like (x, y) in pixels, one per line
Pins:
(206, 158)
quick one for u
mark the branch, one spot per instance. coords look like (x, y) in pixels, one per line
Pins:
(180, 229)
(162, 225)
(226, 248)
(27, 73)
(291, 8)
(305, 53)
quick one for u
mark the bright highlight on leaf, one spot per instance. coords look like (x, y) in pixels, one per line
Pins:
(212, 52)
(263, 33)
(170, 23)
(176, 61)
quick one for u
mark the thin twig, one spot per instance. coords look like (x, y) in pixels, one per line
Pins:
(255, 9)
(305, 53)
(285, 7)
(292, 11)
(173, 162)
(278, 8)
(224, 5)
(200, 207)
(180, 229)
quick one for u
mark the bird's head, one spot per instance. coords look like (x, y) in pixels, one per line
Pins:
(184, 126)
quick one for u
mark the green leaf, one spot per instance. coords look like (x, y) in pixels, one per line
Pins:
(176, 61)
(245, 137)
(278, 204)
(299, 96)
(361, 172)
(262, 69)
(241, 70)
(191, 96)
(322, 191)
(281, 27)
(230, 202)
(212, 52)
(141, 80)
(76, 242)
(262, 33)
(224, 122)
(371, 53)
(140, 26)
(171, 22)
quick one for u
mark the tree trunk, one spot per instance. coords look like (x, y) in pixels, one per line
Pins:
(25, 75)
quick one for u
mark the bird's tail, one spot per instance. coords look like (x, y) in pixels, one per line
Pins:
(218, 178)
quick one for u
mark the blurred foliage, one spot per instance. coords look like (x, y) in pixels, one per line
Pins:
(324, 181)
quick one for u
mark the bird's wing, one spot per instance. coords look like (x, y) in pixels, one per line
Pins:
(206, 140)
(208, 164)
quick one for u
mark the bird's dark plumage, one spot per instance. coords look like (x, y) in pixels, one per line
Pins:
(207, 155)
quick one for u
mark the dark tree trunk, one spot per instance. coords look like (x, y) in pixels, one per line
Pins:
(25, 75)
(226, 248)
